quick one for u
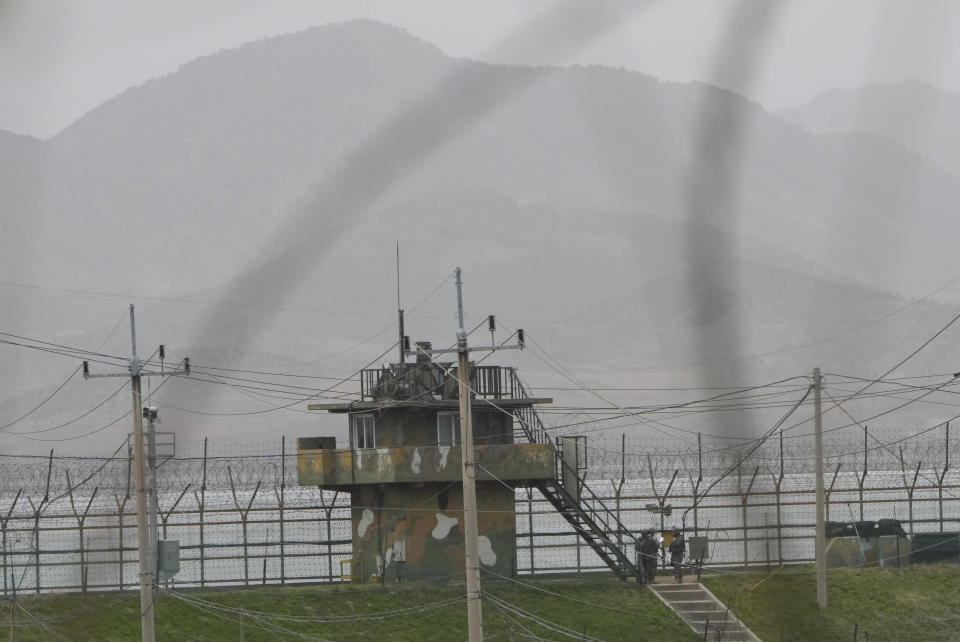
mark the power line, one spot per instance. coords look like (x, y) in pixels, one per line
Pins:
(75, 419)
(45, 400)
(290, 405)
(83, 351)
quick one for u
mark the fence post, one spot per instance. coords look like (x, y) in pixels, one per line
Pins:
(618, 489)
(826, 499)
(13, 608)
(201, 503)
(5, 521)
(243, 523)
(37, 513)
(766, 533)
(943, 474)
(36, 508)
(577, 540)
(909, 487)
(81, 519)
(777, 482)
(281, 501)
(165, 516)
(533, 568)
(328, 511)
(744, 501)
(862, 478)
(120, 510)
(696, 487)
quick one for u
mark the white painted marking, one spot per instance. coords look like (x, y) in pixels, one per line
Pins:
(444, 524)
(488, 556)
(415, 464)
(365, 520)
(444, 451)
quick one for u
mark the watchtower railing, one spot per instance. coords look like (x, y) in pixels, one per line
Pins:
(486, 382)
(530, 425)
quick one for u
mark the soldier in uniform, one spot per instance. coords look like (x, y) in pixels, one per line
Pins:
(677, 550)
(641, 563)
(649, 555)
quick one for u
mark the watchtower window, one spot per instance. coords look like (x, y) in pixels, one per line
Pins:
(448, 428)
(364, 432)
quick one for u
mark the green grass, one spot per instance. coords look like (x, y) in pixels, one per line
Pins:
(911, 603)
(631, 613)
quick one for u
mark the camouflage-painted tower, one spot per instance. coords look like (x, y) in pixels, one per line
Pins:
(403, 468)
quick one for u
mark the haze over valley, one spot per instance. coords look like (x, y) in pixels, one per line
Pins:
(250, 204)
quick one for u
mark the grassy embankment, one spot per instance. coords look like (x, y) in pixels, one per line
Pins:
(911, 603)
(630, 614)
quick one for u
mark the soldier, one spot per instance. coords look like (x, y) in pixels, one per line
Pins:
(677, 549)
(638, 554)
(649, 555)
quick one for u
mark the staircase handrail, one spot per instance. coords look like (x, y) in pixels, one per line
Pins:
(594, 499)
(537, 433)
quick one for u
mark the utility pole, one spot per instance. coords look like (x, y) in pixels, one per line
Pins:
(150, 414)
(136, 371)
(821, 540)
(13, 609)
(471, 530)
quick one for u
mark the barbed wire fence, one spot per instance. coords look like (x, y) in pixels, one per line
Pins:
(69, 523)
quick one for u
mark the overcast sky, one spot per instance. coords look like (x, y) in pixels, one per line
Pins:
(59, 59)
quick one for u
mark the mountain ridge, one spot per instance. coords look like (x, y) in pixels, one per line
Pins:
(911, 112)
(565, 193)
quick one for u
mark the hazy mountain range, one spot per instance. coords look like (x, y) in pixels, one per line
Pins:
(913, 113)
(563, 193)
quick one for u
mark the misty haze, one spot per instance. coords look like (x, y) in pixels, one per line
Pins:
(679, 257)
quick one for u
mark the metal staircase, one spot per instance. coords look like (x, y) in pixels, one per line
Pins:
(590, 517)
(594, 527)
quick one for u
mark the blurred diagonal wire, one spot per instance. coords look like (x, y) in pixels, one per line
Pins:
(341, 199)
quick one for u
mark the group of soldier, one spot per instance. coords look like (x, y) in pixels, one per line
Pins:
(648, 549)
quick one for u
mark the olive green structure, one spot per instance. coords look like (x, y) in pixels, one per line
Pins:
(402, 468)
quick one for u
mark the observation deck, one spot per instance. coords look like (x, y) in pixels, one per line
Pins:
(342, 468)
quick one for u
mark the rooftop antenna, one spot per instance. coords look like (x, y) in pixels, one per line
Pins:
(401, 344)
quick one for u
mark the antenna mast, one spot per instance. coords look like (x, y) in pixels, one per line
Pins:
(403, 355)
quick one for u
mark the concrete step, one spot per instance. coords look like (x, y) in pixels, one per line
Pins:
(703, 612)
(719, 635)
(717, 615)
(718, 624)
(684, 594)
(682, 606)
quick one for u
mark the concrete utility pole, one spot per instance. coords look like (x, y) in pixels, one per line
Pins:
(821, 540)
(150, 414)
(147, 626)
(471, 530)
